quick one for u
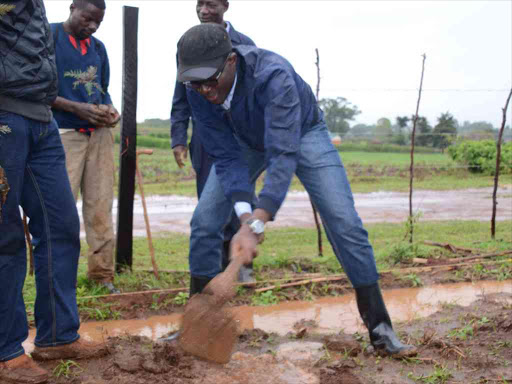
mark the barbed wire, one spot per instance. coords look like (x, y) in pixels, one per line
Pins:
(416, 90)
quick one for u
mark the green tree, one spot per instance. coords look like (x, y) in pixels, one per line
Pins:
(338, 112)
(361, 131)
(445, 131)
(383, 130)
(423, 132)
(401, 125)
(478, 130)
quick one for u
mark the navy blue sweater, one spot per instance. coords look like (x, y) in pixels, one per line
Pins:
(272, 108)
(71, 61)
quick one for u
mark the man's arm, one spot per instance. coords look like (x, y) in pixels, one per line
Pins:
(85, 111)
(180, 117)
(282, 143)
(219, 142)
(113, 115)
(282, 139)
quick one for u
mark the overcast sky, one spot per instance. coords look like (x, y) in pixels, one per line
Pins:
(370, 51)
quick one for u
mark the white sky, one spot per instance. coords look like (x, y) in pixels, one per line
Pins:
(370, 51)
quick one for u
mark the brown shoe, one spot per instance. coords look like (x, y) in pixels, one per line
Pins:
(22, 370)
(80, 349)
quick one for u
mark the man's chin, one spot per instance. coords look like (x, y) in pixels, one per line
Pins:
(214, 100)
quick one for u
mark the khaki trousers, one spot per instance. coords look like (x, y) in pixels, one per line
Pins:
(90, 166)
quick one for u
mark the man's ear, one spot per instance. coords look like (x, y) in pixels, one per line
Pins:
(232, 58)
(226, 5)
(72, 7)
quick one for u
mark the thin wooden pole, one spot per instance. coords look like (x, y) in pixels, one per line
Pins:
(411, 170)
(498, 163)
(29, 245)
(146, 217)
(315, 213)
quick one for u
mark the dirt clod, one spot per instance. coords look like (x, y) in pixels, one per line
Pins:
(344, 344)
(338, 374)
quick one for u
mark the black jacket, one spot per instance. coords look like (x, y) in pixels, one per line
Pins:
(28, 73)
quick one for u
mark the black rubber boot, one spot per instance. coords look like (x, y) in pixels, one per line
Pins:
(197, 284)
(376, 318)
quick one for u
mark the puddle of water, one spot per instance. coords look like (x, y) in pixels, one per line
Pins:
(330, 314)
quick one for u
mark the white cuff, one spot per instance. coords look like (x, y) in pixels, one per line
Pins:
(242, 207)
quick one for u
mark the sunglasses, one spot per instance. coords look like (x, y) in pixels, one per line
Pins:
(211, 82)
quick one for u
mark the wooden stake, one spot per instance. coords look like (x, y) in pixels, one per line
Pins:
(497, 172)
(146, 217)
(411, 216)
(315, 213)
(29, 245)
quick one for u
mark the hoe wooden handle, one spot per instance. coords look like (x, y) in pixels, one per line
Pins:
(222, 285)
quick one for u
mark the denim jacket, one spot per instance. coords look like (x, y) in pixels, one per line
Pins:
(180, 112)
(272, 108)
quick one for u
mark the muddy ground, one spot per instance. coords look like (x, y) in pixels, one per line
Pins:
(173, 213)
(312, 286)
(456, 345)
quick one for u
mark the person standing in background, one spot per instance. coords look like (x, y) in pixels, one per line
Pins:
(85, 114)
(208, 11)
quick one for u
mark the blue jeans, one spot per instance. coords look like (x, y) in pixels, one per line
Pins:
(33, 158)
(322, 173)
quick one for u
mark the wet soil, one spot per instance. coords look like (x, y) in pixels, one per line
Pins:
(457, 344)
(141, 305)
(173, 213)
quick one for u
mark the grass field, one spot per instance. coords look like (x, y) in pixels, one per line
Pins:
(284, 247)
(367, 171)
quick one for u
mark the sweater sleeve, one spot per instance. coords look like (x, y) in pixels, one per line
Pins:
(282, 139)
(105, 75)
(216, 135)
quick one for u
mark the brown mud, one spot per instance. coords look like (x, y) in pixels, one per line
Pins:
(457, 344)
(142, 305)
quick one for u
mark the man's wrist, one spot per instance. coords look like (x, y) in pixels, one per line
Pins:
(256, 226)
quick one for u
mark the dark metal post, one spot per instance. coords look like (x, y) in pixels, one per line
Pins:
(128, 145)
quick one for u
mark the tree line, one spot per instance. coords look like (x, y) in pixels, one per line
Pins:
(339, 112)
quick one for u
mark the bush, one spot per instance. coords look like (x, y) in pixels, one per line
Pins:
(480, 156)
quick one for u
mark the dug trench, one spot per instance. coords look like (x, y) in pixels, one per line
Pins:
(457, 344)
(311, 285)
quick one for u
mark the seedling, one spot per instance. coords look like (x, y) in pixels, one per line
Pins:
(181, 298)
(67, 368)
(440, 375)
(265, 298)
(462, 333)
(414, 280)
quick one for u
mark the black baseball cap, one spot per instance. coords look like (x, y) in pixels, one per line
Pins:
(202, 51)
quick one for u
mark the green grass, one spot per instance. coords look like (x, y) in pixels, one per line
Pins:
(281, 249)
(367, 172)
(395, 159)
